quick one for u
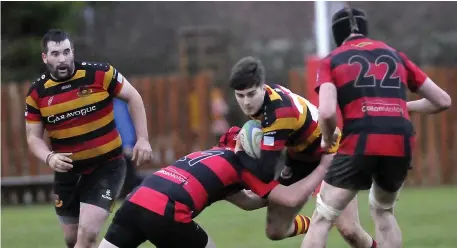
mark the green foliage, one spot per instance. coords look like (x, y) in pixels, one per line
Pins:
(23, 24)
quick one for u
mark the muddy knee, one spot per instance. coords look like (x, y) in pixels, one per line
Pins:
(70, 240)
(87, 235)
(70, 230)
(276, 230)
(276, 233)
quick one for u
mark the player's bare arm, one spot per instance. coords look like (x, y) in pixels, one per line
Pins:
(35, 140)
(142, 152)
(247, 200)
(435, 99)
(327, 113)
(293, 195)
(59, 162)
(298, 193)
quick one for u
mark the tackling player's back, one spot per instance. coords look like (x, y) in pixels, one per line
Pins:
(195, 181)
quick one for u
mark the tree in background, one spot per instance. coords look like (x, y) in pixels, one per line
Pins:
(23, 25)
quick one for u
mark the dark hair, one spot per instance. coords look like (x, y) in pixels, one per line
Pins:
(248, 72)
(55, 35)
(348, 21)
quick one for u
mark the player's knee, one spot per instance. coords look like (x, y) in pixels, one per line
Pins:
(275, 232)
(325, 210)
(70, 240)
(380, 199)
(70, 232)
(277, 227)
(87, 235)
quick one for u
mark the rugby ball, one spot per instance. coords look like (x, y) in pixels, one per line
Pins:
(250, 137)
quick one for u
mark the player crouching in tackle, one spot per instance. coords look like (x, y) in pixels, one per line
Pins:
(161, 210)
(368, 80)
(288, 121)
(73, 102)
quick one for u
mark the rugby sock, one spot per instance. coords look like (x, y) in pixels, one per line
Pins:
(374, 245)
(301, 225)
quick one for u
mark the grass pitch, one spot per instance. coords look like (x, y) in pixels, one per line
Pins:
(427, 218)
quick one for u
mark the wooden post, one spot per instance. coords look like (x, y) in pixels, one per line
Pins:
(16, 105)
(6, 145)
(185, 100)
(442, 122)
(161, 117)
(203, 85)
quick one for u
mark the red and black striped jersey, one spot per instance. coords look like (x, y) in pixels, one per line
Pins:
(194, 182)
(288, 120)
(371, 80)
(77, 113)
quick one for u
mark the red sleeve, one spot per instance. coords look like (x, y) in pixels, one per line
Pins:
(416, 77)
(113, 81)
(256, 185)
(324, 73)
(32, 110)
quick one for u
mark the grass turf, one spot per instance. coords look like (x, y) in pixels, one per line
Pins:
(427, 217)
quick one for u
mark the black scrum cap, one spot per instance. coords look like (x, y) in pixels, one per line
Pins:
(347, 21)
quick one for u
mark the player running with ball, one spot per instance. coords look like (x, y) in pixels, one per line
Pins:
(288, 121)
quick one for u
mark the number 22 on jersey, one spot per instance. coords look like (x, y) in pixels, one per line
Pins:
(364, 79)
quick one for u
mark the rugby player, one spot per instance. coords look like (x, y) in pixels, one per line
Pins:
(73, 102)
(162, 208)
(126, 130)
(288, 121)
(368, 80)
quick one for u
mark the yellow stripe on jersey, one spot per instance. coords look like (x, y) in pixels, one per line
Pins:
(32, 122)
(282, 123)
(74, 104)
(79, 74)
(274, 95)
(287, 123)
(94, 152)
(83, 129)
(314, 135)
(108, 78)
(29, 100)
(335, 147)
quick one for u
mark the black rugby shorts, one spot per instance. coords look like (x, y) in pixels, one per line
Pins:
(132, 225)
(100, 187)
(357, 172)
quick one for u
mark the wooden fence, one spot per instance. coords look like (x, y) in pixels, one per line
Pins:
(179, 122)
